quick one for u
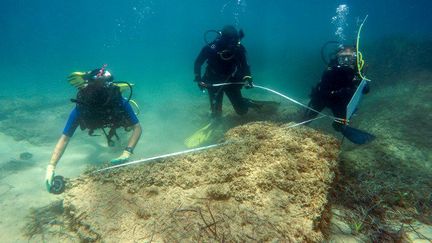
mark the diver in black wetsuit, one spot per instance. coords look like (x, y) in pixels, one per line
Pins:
(226, 63)
(337, 86)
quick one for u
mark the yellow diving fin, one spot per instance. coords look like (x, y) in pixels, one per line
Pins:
(199, 137)
(76, 79)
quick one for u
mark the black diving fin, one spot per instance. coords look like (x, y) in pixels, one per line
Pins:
(264, 106)
(357, 136)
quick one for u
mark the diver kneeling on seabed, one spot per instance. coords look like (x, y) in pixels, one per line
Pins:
(227, 72)
(99, 105)
(340, 89)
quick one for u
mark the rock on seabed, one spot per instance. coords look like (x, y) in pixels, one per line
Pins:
(270, 183)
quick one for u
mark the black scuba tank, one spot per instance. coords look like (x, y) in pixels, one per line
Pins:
(98, 105)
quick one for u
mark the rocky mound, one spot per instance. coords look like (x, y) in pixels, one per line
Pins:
(268, 183)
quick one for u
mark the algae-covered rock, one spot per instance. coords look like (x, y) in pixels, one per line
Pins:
(268, 183)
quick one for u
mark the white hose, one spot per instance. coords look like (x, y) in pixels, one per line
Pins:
(219, 144)
(283, 96)
(161, 157)
(297, 102)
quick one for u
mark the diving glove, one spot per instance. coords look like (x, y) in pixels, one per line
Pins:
(76, 79)
(248, 82)
(201, 85)
(124, 157)
(49, 177)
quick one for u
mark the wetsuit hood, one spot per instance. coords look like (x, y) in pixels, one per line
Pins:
(230, 37)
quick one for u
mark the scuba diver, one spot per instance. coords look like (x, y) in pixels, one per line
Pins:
(228, 67)
(227, 72)
(335, 90)
(99, 104)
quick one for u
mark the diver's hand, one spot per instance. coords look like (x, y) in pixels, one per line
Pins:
(49, 176)
(124, 157)
(344, 92)
(248, 82)
(76, 79)
(201, 85)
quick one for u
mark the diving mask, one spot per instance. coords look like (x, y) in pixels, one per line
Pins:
(100, 74)
(347, 59)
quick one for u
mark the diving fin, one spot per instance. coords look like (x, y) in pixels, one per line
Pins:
(199, 137)
(76, 79)
(357, 136)
(264, 106)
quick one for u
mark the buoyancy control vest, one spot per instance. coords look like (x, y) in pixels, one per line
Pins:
(100, 105)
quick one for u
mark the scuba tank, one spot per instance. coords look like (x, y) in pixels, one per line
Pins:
(225, 42)
(100, 104)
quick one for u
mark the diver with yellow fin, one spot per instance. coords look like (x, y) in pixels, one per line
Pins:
(201, 136)
(99, 105)
(227, 72)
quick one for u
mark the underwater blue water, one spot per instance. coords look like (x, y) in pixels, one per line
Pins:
(155, 41)
(153, 44)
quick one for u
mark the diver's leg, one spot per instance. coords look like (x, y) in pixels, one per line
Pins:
(339, 111)
(216, 98)
(316, 103)
(239, 103)
(356, 136)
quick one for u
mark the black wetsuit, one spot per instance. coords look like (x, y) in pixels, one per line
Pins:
(335, 90)
(224, 67)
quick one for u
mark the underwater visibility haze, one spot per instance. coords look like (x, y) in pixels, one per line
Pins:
(153, 44)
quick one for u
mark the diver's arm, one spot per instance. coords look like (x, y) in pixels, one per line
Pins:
(325, 86)
(244, 65)
(68, 131)
(136, 127)
(199, 61)
(57, 154)
(136, 134)
(133, 140)
(59, 150)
